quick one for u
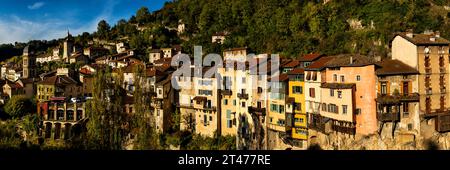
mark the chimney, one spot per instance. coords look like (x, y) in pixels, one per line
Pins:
(410, 33)
(437, 34)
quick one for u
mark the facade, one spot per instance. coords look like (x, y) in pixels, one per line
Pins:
(313, 100)
(398, 98)
(428, 53)
(59, 85)
(295, 105)
(348, 94)
(154, 55)
(61, 118)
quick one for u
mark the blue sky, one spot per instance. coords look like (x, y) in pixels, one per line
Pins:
(24, 20)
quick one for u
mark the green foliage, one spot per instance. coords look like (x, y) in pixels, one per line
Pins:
(292, 28)
(106, 128)
(103, 29)
(19, 106)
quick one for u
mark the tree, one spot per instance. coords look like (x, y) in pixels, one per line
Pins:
(19, 106)
(106, 128)
(143, 15)
(145, 135)
(103, 29)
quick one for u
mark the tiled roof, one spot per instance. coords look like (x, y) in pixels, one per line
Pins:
(343, 60)
(319, 64)
(424, 39)
(58, 80)
(310, 57)
(291, 64)
(394, 67)
(297, 71)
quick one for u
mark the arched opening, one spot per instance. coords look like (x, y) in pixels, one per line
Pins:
(48, 129)
(57, 130)
(67, 129)
(76, 130)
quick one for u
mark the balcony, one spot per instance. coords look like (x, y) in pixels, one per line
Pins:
(397, 98)
(443, 90)
(427, 70)
(388, 117)
(209, 108)
(344, 129)
(227, 92)
(442, 69)
(443, 123)
(256, 110)
(242, 95)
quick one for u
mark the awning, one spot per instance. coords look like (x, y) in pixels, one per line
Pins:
(200, 98)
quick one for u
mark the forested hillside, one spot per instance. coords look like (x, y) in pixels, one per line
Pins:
(288, 27)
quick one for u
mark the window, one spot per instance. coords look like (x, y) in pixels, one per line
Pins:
(358, 78)
(234, 102)
(405, 110)
(334, 77)
(342, 79)
(243, 104)
(297, 90)
(312, 93)
(210, 118)
(383, 88)
(225, 102)
(324, 107)
(340, 94)
(260, 89)
(344, 109)
(331, 92)
(358, 111)
(332, 108)
(410, 126)
(205, 92)
(243, 80)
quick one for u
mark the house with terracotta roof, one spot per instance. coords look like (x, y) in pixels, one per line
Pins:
(398, 99)
(348, 95)
(308, 59)
(12, 88)
(58, 86)
(296, 119)
(428, 53)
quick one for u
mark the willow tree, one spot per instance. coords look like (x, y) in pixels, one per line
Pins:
(106, 128)
(145, 136)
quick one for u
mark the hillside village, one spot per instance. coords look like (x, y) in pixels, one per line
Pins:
(98, 92)
(347, 95)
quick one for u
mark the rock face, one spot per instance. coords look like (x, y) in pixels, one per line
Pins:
(400, 141)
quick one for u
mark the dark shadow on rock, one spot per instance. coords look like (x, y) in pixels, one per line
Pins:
(315, 147)
(431, 145)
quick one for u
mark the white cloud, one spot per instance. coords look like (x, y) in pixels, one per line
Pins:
(14, 28)
(36, 5)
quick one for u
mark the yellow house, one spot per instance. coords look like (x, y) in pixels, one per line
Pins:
(295, 105)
